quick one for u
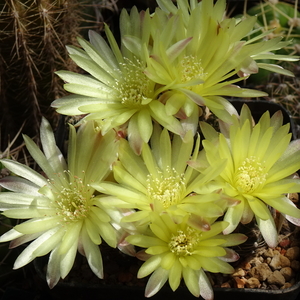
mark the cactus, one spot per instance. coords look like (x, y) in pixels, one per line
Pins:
(33, 35)
(283, 17)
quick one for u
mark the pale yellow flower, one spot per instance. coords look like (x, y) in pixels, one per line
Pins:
(116, 92)
(161, 181)
(176, 251)
(64, 214)
(261, 161)
(197, 53)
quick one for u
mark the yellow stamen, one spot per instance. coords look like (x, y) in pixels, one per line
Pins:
(183, 243)
(72, 202)
(191, 69)
(134, 88)
(168, 188)
(250, 175)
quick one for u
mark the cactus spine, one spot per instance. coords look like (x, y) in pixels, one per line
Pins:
(33, 35)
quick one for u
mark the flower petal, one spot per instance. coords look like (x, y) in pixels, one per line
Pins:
(24, 171)
(149, 266)
(29, 253)
(53, 269)
(53, 237)
(70, 237)
(156, 282)
(175, 275)
(206, 290)
(67, 259)
(92, 253)
(38, 225)
(191, 279)
(268, 231)
(19, 185)
(233, 217)
(285, 206)
(10, 235)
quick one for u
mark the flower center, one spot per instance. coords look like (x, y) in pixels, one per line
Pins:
(250, 175)
(183, 243)
(135, 88)
(73, 202)
(191, 69)
(168, 187)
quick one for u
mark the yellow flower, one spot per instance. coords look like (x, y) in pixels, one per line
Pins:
(197, 53)
(64, 214)
(260, 164)
(176, 251)
(116, 91)
(169, 63)
(160, 180)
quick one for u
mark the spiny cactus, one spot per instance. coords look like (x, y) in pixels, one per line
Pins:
(283, 18)
(33, 35)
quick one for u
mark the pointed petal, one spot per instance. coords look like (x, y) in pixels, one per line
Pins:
(177, 48)
(38, 225)
(206, 290)
(268, 230)
(144, 122)
(156, 282)
(19, 185)
(92, 253)
(28, 253)
(191, 279)
(175, 275)
(10, 235)
(67, 259)
(149, 266)
(233, 217)
(24, 171)
(70, 237)
(53, 269)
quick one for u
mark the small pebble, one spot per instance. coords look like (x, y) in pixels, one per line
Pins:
(293, 253)
(256, 261)
(253, 283)
(247, 266)
(268, 260)
(240, 282)
(286, 286)
(279, 261)
(239, 272)
(295, 265)
(225, 285)
(283, 252)
(268, 252)
(294, 197)
(261, 272)
(284, 243)
(287, 273)
(276, 278)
